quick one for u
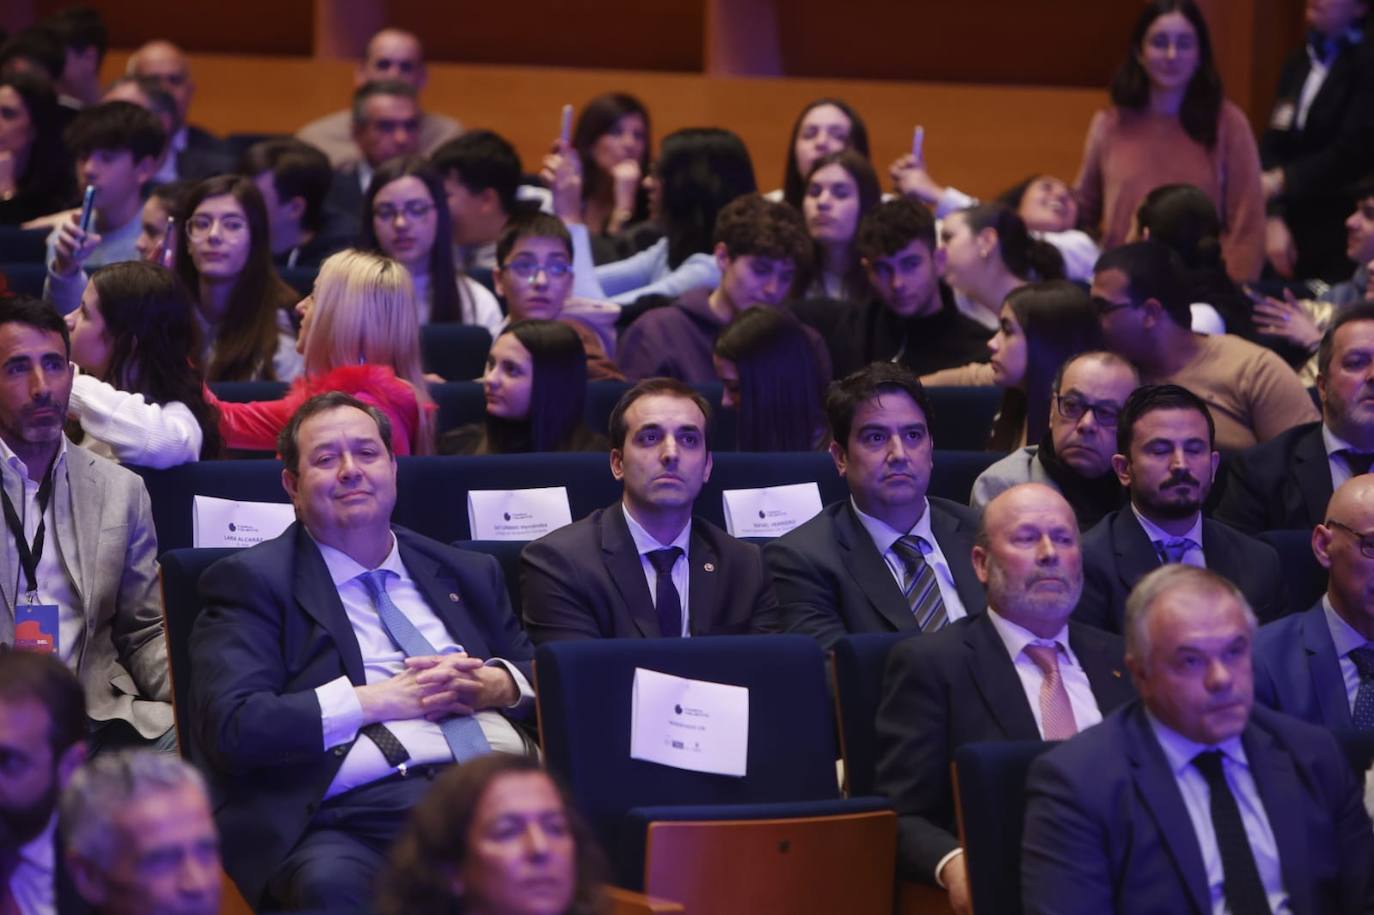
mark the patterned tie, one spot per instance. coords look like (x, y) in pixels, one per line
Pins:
(1357, 461)
(1056, 712)
(1242, 887)
(1363, 713)
(667, 602)
(1175, 549)
(463, 733)
(921, 591)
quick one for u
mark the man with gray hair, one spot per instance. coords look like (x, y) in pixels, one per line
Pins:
(1192, 799)
(139, 838)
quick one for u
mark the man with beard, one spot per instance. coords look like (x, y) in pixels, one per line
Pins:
(1021, 671)
(42, 742)
(1167, 459)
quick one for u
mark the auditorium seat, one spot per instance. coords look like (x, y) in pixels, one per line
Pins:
(1304, 579)
(961, 417)
(507, 552)
(248, 391)
(859, 662)
(954, 472)
(24, 278)
(454, 352)
(180, 571)
(23, 246)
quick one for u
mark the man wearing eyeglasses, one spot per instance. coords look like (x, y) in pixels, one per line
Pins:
(1319, 665)
(386, 124)
(1167, 460)
(1088, 393)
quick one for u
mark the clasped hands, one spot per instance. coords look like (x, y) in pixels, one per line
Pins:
(435, 687)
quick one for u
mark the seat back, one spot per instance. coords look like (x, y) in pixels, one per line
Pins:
(953, 472)
(180, 573)
(961, 417)
(746, 470)
(859, 662)
(249, 391)
(25, 278)
(455, 352)
(990, 796)
(506, 552)
(1304, 579)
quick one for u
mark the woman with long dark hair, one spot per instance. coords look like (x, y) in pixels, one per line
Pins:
(826, 125)
(36, 173)
(1170, 124)
(771, 378)
(840, 190)
(139, 395)
(612, 139)
(988, 253)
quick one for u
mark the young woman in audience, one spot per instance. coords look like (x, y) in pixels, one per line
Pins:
(1170, 124)
(824, 126)
(406, 218)
(535, 388)
(36, 174)
(243, 306)
(988, 253)
(612, 140)
(770, 377)
(1040, 325)
(456, 853)
(698, 172)
(138, 394)
(840, 190)
(164, 213)
(358, 335)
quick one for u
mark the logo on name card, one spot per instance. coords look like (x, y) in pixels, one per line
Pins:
(506, 515)
(678, 709)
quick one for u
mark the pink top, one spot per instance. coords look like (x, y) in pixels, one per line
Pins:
(1130, 153)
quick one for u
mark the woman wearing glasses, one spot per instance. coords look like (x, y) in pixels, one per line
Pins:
(243, 306)
(406, 219)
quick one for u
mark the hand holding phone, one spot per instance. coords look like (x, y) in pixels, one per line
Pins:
(565, 128)
(87, 208)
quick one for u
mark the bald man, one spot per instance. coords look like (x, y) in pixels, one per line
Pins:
(1021, 671)
(392, 54)
(1319, 665)
(193, 152)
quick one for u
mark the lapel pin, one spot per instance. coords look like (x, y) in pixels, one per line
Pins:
(453, 597)
(1117, 674)
(709, 567)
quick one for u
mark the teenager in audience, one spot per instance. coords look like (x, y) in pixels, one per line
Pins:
(139, 396)
(35, 169)
(293, 178)
(769, 376)
(698, 172)
(1170, 124)
(161, 226)
(358, 335)
(824, 126)
(988, 252)
(535, 388)
(407, 219)
(841, 189)
(243, 305)
(482, 174)
(612, 139)
(84, 38)
(496, 836)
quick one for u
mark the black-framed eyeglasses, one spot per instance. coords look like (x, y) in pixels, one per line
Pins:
(1104, 307)
(1366, 541)
(1072, 408)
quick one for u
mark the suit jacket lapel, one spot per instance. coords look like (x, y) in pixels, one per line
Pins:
(623, 565)
(86, 489)
(866, 566)
(994, 675)
(440, 589)
(1327, 680)
(956, 545)
(319, 599)
(1279, 789)
(704, 605)
(1312, 470)
(1109, 684)
(9, 557)
(1135, 554)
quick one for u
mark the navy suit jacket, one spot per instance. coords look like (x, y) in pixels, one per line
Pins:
(1117, 554)
(273, 629)
(1107, 830)
(1281, 484)
(585, 581)
(954, 687)
(1296, 671)
(343, 205)
(832, 581)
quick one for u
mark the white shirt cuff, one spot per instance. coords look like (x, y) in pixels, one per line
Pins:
(340, 712)
(526, 691)
(941, 866)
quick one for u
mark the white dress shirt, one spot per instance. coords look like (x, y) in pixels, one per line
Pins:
(1071, 673)
(340, 710)
(645, 543)
(1334, 445)
(884, 536)
(1193, 556)
(1346, 640)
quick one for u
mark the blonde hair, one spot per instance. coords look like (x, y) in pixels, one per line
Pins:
(365, 312)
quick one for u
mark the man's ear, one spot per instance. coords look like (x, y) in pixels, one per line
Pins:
(295, 208)
(70, 760)
(1121, 466)
(838, 456)
(979, 556)
(722, 256)
(88, 879)
(1321, 545)
(288, 483)
(488, 201)
(617, 464)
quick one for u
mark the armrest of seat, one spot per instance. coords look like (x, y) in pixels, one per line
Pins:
(626, 902)
(922, 899)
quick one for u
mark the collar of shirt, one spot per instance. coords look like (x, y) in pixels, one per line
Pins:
(180, 139)
(645, 542)
(16, 463)
(344, 568)
(1154, 532)
(1343, 635)
(1334, 443)
(1017, 637)
(884, 535)
(1180, 751)
(39, 850)
(364, 174)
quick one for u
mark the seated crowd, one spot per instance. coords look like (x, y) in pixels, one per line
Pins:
(1119, 579)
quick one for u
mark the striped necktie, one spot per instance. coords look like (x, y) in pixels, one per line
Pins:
(922, 591)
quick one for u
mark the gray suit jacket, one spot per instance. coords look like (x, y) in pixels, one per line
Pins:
(108, 546)
(1016, 468)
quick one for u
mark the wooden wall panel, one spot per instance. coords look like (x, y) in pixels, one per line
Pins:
(235, 26)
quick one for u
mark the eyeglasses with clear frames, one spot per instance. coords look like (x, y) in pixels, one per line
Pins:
(413, 209)
(1072, 408)
(1366, 541)
(527, 268)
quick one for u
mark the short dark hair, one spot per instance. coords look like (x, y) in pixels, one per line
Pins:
(846, 394)
(1153, 271)
(379, 87)
(891, 226)
(289, 448)
(298, 170)
(534, 224)
(174, 195)
(1151, 397)
(36, 313)
(40, 46)
(42, 678)
(115, 126)
(1361, 312)
(481, 159)
(80, 27)
(753, 225)
(650, 386)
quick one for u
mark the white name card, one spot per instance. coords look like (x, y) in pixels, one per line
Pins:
(689, 724)
(226, 522)
(770, 511)
(517, 514)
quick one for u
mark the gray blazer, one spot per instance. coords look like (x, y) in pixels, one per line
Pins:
(108, 546)
(1016, 468)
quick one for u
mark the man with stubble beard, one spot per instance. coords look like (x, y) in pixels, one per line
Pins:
(1167, 460)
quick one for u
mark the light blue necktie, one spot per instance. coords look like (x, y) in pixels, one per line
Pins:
(463, 733)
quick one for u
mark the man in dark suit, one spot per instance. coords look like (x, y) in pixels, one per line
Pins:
(1190, 800)
(1167, 460)
(1285, 483)
(1021, 671)
(629, 570)
(1316, 665)
(888, 559)
(336, 667)
(386, 124)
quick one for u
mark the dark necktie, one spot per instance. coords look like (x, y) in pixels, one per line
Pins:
(922, 591)
(1363, 713)
(1174, 549)
(667, 601)
(1357, 461)
(1242, 887)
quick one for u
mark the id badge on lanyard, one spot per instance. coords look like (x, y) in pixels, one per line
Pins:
(35, 624)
